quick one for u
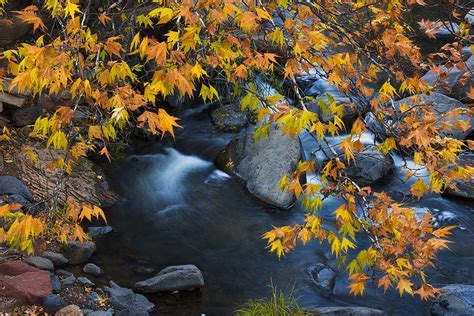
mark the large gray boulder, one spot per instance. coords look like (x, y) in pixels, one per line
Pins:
(344, 311)
(174, 278)
(10, 185)
(77, 252)
(262, 163)
(441, 104)
(123, 299)
(369, 166)
(229, 118)
(56, 258)
(457, 300)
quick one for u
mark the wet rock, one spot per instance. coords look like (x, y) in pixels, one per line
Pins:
(56, 258)
(465, 186)
(24, 282)
(323, 277)
(53, 303)
(469, 18)
(70, 280)
(77, 252)
(63, 273)
(458, 299)
(261, 164)
(229, 118)
(40, 263)
(123, 300)
(56, 284)
(26, 116)
(369, 166)
(11, 185)
(92, 269)
(97, 233)
(70, 310)
(174, 278)
(441, 104)
(344, 311)
(86, 282)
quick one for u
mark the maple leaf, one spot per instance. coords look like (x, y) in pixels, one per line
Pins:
(29, 16)
(404, 285)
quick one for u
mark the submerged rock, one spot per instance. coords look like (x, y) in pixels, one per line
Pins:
(77, 252)
(261, 164)
(344, 311)
(229, 118)
(174, 278)
(323, 277)
(457, 300)
(124, 300)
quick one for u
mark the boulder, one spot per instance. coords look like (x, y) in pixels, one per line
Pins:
(26, 116)
(56, 258)
(465, 186)
(40, 263)
(53, 303)
(24, 282)
(92, 269)
(369, 166)
(441, 104)
(77, 252)
(174, 278)
(344, 311)
(97, 233)
(323, 277)
(70, 310)
(457, 300)
(123, 299)
(10, 185)
(229, 118)
(261, 164)
(469, 18)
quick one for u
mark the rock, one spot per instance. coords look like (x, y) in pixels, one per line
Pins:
(101, 313)
(63, 273)
(86, 282)
(56, 258)
(174, 278)
(12, 100)
(53, 303)
(92, 269)
(441, 104)
(77, 252)
(40, 263)
(3, 121)
(344, 311)
(369, 166)
(97, 233)
(46, 103)
(229, 118)
(458, 299)
(261, 164)
(323, 277)
(448, 30)
(16, 198)
(26, 116)
(11, 185)
(465, 186)
(24, 282)
(13, 29)
(70, 310)
(56, 284)
(469, 18)
(70, 280)
(123, 299)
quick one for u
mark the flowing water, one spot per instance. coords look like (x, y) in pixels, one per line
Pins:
(177, 208)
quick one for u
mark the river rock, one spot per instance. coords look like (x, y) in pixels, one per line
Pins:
(369, 166)
(344, 311)
(26, 116)
(229, 118)
(174, 278)
(457, 300)
(261, 164)
(93, 270)
(40, 263)
(101, 313)
(85, 281)
(24, 282)
(441, 104)
(53, 303)
(469, 18)
(70, 310)
(465, 186)
(56, 258)
(56, 284)
(123, 299)
(77, 252)
(323, 277)
(69, 280)
(97, 233)
(10, 185)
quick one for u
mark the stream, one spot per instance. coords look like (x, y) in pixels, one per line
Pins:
(177, 208)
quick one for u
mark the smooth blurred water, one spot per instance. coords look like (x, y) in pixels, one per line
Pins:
(177, 208)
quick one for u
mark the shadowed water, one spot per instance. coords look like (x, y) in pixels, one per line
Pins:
(177, 208)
